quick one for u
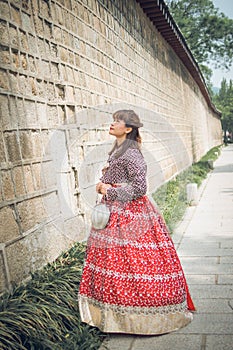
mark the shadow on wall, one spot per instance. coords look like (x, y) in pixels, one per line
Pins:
(79, 156)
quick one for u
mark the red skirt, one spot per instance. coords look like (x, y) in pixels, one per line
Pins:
(132, 280)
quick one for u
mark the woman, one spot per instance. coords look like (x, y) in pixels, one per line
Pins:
(132, 280)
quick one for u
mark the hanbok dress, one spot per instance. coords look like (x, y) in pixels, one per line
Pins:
(132, 280)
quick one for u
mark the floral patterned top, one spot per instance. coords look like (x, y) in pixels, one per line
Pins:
(128, 173)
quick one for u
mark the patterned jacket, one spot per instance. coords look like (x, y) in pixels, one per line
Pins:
(127, 174)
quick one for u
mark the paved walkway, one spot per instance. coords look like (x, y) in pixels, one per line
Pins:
(204, 241)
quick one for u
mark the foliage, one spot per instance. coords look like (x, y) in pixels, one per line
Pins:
(224, 102)
(171, 197)
(207, 31)
(43, 314)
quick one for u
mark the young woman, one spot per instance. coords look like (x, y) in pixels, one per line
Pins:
(132, 279)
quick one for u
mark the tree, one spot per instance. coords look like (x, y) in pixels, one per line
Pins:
(224, 102)
(207, 32)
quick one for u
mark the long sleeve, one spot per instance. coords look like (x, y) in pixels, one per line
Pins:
(135, 167)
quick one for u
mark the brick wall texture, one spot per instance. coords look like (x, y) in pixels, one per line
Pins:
(66, 66)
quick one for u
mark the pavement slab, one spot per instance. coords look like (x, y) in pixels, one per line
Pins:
(204, 243)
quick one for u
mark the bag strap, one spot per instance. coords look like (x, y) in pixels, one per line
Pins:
(99, 199)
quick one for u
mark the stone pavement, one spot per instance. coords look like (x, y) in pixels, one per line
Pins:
(204, 242)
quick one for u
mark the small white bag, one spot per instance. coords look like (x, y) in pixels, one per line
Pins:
(100, 216)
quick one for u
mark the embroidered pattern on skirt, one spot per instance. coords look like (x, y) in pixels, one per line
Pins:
(132, 267)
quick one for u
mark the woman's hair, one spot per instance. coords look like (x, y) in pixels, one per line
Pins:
(133, 138)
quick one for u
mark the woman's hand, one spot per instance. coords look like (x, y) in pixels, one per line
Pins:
(102, 188)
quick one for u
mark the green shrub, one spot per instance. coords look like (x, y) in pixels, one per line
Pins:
(171, 197)
(43, 314)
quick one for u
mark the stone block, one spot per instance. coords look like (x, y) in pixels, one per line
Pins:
(41, 92)
(168, 342)
(47, 29)
(48, 172)
(14, 82)
(212, 305)
(71, 231)
(18, 178)
(45, 140)
(69, 93)
(50, 91)
(38, 176)
(19, 113)
(30, 111)
(31, 213)
(54, 71)
(32, 43)
(7, 185)
(4, 81)
(35, 250)
(62, 72)
(23, 256)
(16, 16)
(117, 342)
(51, 206)
(219, 342)
(26, 144)
(61, 114)
(8, 226)
(52, 116)
(66, 38)
(36, 144)
(200, 279)
(5, 113)
(28, 178)
(191, 192)
(13, 119)
(70, 115)
(44, 69)
(5, 56)
(26, 21)
(4, 33)
(2, 151)
(13, 35)
(211, 291)
(44, 9)
(3, 284)
(23, 61)
(5, 11)
(32, 64)
(56, 241)
(23, 40)
(15, 58)
(70, 71)
(24, 87)
(213, 323)
(57, 32)
(32, 83)
(41, 114)
(60, 91)
(64, 54)
(225, 279)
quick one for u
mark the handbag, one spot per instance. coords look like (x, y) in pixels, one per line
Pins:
(100, 216)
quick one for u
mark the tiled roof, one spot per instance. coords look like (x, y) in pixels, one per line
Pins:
(157, 11)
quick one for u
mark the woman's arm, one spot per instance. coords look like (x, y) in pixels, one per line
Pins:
(136, 183)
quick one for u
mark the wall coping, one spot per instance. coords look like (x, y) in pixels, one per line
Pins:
(158, 12)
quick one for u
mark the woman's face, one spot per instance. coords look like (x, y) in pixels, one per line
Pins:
(119, 129)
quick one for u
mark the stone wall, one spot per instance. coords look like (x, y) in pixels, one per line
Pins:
(66, 65)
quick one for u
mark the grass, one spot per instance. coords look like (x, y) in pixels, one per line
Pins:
(43, 314)
(171, 197)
